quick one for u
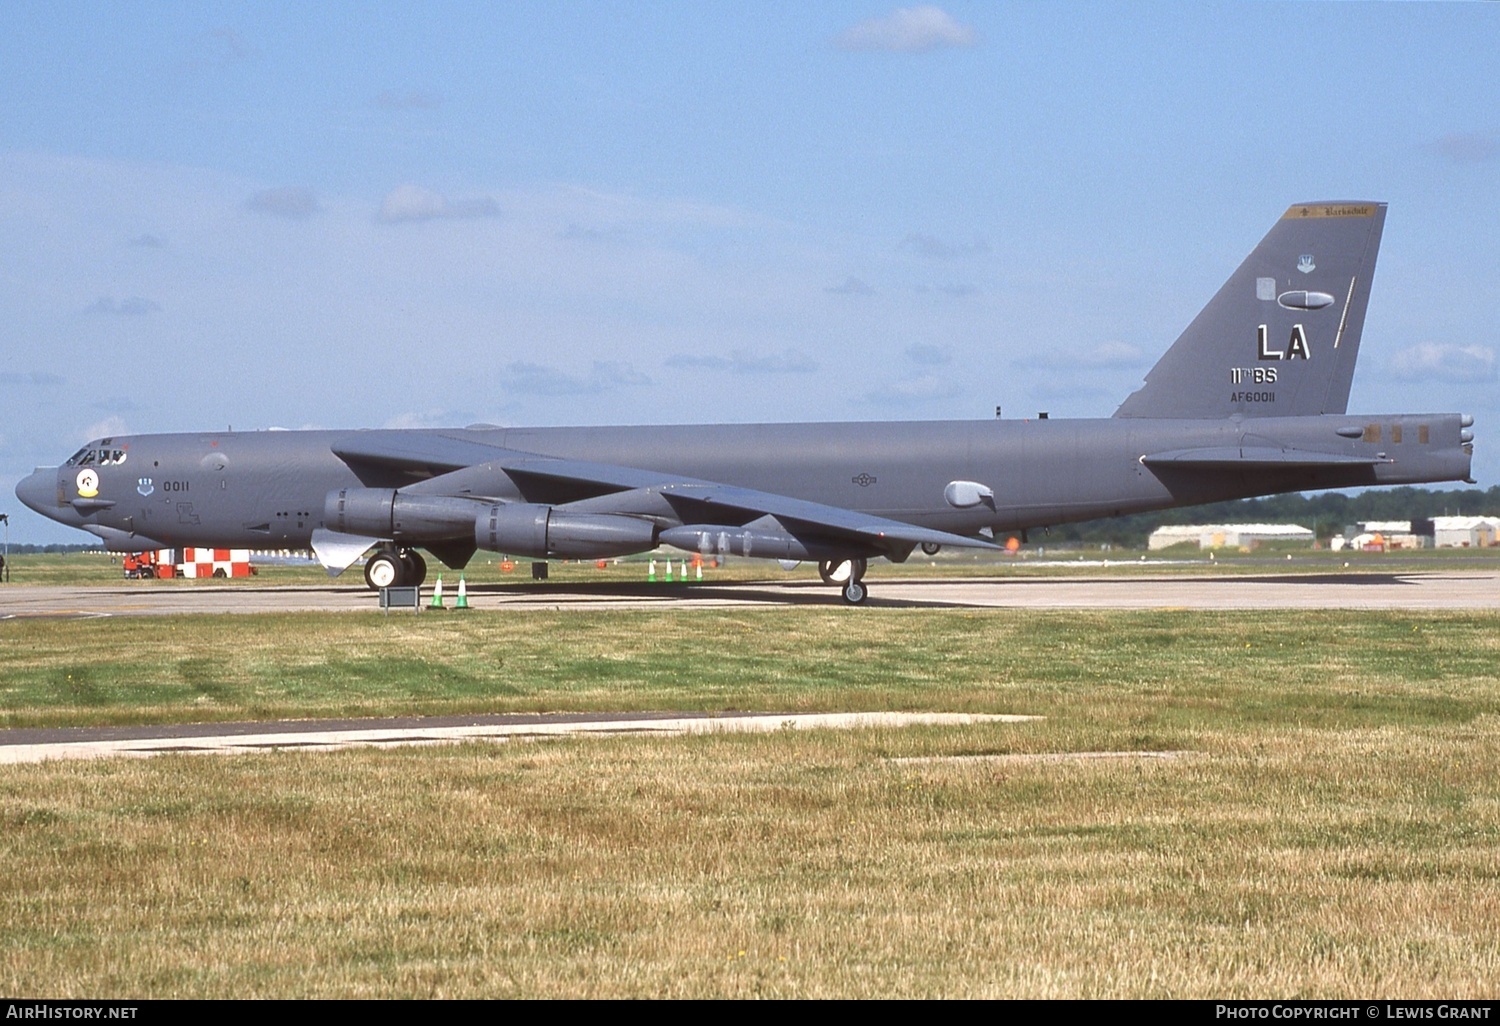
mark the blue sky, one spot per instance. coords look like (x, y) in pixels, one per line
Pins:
(350, 215)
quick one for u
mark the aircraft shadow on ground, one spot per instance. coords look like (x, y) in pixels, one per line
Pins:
(814, 593)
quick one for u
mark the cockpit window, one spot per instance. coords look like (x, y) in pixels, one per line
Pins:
(89, 456)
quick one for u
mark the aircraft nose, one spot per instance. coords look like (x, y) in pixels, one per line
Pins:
(38, 490)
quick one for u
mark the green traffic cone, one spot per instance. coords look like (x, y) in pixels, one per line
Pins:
(463, 595)
(437, 594)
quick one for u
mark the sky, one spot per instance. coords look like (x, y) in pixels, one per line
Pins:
(344, 215)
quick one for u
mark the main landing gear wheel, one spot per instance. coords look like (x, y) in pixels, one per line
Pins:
(414, 568)
(383, 570)
(931, 548)
(855, 592)
(395, 568)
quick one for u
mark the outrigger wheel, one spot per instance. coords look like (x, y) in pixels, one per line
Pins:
(846, 572)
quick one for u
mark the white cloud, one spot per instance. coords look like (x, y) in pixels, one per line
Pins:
(1445, 362)
(1106, 355)
(106, 428)
(1111, 354)
(220, 48)
(907, 392)
(937, 249)
(851, 287)
(414, 203)
(1469, 147)
(294, 201)
(133, 306)
(742, 361)
(584, 233)
(428, 419)
(118, 404)
(540, 379)
(33, 378)
(909, 30)
(928, 355)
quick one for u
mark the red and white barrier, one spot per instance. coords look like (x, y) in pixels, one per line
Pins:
(200, 562)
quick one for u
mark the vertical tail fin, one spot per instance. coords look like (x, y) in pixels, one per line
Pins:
(1281, 336)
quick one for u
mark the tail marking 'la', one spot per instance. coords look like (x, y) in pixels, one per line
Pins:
(1281, 337)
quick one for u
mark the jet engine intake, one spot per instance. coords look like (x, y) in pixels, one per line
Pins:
(387, 513)
(540, 532)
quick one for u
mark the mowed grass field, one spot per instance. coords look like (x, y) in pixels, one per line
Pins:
(1326, 821)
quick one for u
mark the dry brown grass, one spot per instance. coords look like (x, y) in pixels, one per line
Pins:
(1347, 862)
(1337, 834)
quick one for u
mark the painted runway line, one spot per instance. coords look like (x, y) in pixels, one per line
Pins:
(40, 745)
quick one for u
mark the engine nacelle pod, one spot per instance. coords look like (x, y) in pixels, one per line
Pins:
(541, 532)
(387, 513)
(363, 511)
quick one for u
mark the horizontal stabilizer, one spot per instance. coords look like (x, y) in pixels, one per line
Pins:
(1234, 457)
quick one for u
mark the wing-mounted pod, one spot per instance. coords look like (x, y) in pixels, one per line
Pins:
(540, 531)
(766, 538)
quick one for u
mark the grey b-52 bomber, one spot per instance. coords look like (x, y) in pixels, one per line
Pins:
(1248, 401)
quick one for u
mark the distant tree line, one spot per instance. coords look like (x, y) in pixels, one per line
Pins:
(1326, 513)
(31, 550)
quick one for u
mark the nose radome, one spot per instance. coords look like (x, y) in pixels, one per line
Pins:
(38, 490)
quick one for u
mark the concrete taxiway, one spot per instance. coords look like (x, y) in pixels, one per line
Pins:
(1467, 589)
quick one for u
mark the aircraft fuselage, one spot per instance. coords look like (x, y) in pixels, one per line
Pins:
(268, 489)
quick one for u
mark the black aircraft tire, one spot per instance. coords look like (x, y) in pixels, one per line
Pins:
(384, 570)
(855, 592)
(833, 570)
(931, 548)
(415, 567)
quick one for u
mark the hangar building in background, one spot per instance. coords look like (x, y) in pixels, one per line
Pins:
(1233, 536)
